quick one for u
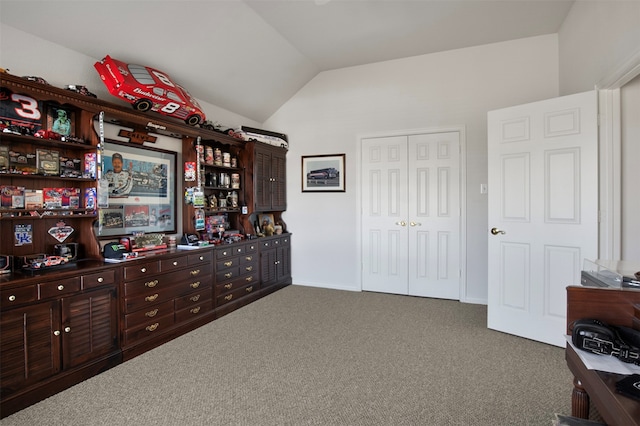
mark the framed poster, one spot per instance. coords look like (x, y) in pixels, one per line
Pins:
(61, 120)
(323, 173)
(142, 190)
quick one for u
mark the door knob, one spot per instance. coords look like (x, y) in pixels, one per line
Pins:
(401, 223)
(415, 224)
(496, 231)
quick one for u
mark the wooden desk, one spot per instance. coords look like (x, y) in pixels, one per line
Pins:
(614, 306)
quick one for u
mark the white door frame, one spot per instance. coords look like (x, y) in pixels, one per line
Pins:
(463, 193)
(610, 233)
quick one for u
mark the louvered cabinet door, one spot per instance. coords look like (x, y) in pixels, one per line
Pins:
(89, 326)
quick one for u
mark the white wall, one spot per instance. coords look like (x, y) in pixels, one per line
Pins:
(26, 54)
(454, 88)
(630, 99)
(595, 39)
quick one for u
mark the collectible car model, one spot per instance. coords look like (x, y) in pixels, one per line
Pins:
(148, 89)
(48, 134)
(80, 89)
(48, 261)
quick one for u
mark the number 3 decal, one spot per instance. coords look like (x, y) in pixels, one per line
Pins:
(29, 106)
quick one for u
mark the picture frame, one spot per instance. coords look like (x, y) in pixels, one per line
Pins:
(142, 190)
(61, 119)
(323, 173)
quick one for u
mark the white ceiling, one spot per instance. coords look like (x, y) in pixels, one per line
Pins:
(251, 56)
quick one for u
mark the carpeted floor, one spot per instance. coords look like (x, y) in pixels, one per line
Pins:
(310, 356)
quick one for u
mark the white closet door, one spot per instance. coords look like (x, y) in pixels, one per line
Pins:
(411, 226)
(434, 215)
(384, 214)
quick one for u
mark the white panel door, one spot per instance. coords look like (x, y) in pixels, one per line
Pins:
(434, 215)
(543, 211)
(411, 214)
(385, 238)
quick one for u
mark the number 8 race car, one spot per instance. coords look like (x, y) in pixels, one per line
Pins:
(148, 89)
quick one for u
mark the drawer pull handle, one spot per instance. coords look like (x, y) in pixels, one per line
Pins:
(67, 329)
(228, 275)
(143, 269)
(12, 298)
(100, 279)
(195, 272)
(195, 310)
(249, 268)
(249, 289)
(224, 253)
(151, 298)
(249, 258)
(151, 284)
(228, 286)
(56, 333)
(228, 297)
(195, 285)
(151, 314)
(228, 263)
(195, 298)
(152, 327)
(60, 287)
(201, 258)
(175, 263)
(248, 279)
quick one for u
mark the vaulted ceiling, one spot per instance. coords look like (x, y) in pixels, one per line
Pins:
(251, 56)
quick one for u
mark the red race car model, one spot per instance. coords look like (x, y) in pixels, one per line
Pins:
(148, 89)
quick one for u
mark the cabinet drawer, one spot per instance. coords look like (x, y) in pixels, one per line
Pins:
(141, 270)
(228, 274)
(18, 296)
(100, 278)
(172, 264)
(144, 316)
(248, 258)
(59, 287)
(201, 258)
(192, 299)
(192, 312)
(231, 250)
(228, 263)
(196, 284)
(235, 294)
(237, 283)
(147, 300)
(251, 248)
(152, 327)
(248, 268)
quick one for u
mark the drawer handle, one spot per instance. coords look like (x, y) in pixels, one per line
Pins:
(67, 329)
(228, 275)
(151, 298)
(56, 333)
(195, 310)
(195, 272)
(228, 263)
(100, 279)
(201, 258)
(249, 268)
(151, 284)
(249, 258)
(175, 263)
(228, 297)
(224, 253)
(248, 279)
(151, 314)
(249, 289)
(143, 269)
(228, 286)
(152, 327)
(60, 287)
(195, 298)
(195, 285)
(12, 298)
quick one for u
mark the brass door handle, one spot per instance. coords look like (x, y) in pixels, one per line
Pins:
(415, 224)
(401, 223)
(496, 231)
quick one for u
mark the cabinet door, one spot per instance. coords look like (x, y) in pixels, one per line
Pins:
(283, 264)
(268, 273)
(262, 180)
(279, 182)
(89, 326)
(30, 348)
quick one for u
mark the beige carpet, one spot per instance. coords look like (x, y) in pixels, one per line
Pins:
(309, 356)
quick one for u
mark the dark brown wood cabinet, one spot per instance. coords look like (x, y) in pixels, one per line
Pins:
(270, 178)
(275, 260)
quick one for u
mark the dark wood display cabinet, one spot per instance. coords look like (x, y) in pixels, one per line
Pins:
(63, 324)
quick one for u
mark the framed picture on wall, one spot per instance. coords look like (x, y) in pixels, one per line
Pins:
(142, 190)
(323, 173)
(61, 120)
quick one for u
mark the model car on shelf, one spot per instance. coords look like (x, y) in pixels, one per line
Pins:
(80, 89)
(148, 89)
(47, 262)
(48, 134)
